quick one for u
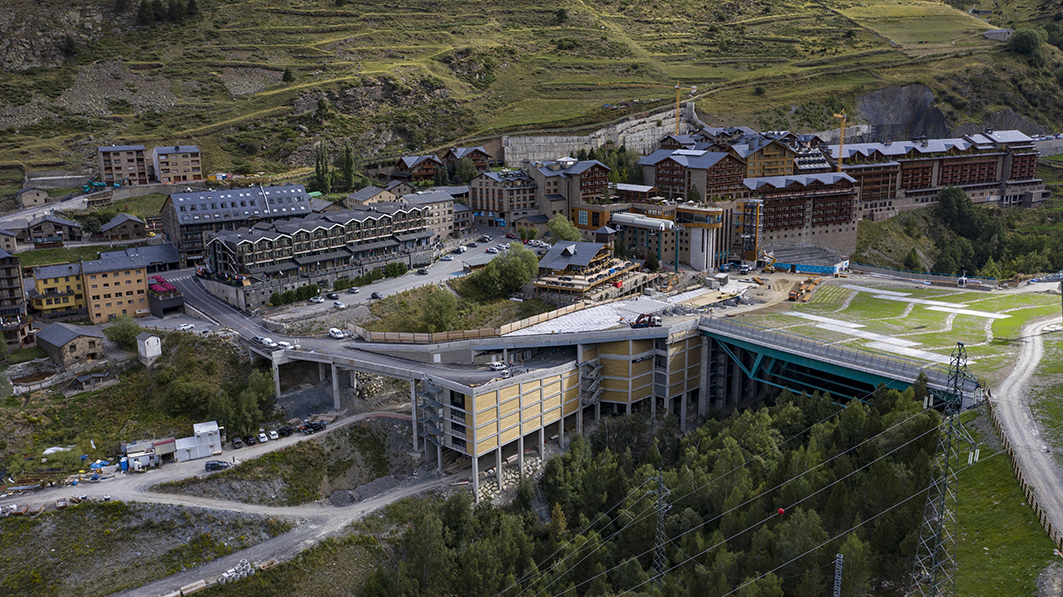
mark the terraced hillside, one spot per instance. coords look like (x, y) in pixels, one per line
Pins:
(256, 82)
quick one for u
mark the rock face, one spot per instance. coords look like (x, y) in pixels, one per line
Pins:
(35, 33)
(898, 113)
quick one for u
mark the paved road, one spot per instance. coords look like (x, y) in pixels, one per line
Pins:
(1023, 430)
(313, 522)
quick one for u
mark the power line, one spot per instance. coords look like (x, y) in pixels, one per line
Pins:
(758, 496)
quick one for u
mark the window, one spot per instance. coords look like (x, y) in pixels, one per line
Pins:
(73, 348)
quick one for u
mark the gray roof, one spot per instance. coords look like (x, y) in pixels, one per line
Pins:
(317, 204)
(395, 183)
(779, 182)
(535, 218)
(176, 149)
(453, 191)
(54, 220)
(283, 201)
(57, 271)
(566, 253)
(413, 161)
(147, 255)
(569, 167)
(1004, 136)
(61, 334)
(458, 207)
(28, 189)
(460, 152)
(688, 158)
(275, 230)
(119, 220)
(363, 195)
(145, 335)
(120, 148)
(427, 197)
(511, 176)
(7, 233)
(635, 188)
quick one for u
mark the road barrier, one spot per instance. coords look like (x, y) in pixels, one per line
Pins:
(1027, 490)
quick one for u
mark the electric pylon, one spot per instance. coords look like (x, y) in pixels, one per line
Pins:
(934, 560)
(662, 507)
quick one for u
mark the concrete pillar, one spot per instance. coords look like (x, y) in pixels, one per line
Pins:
(683, 412)
(413, 412)
(703, 387)
(561, 429)
(475, 479)
(439, 458)
(276, 380)
(498, 465)
(542, 443)
(579, 417)
(320, 372)
(520, 454)
(653, 407)
(627, 408)
(597, 411)
(352, 381)
(736, 381)
(335, 387)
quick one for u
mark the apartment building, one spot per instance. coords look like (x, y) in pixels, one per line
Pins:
(123, 164)
(187, 216)
(566, 182)
(499, 198)
(417, 168)
(765, 156)
(317, 249)
(123, 227)
(814, 209)
(57, 290)
(993, 167)
(440, 216)
(478, 155)
(14, 321)
(115, 286)
(713, 174)
(175, 164)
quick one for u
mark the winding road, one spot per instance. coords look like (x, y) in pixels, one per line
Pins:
(313, 522)
(1035, 459)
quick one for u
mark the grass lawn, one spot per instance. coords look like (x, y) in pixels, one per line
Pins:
(36, 257)
(402, 312)
(26, 354)
(1001, 547)
(141, 207)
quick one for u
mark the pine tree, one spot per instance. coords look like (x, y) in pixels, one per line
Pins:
(289, 75)
(348, 166)
(146, 13)
(192, 9)
(323, 169)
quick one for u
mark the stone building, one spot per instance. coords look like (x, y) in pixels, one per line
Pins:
(123, 227)
(68, 345)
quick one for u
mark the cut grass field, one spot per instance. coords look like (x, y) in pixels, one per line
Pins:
(402, 312)
(59, 255)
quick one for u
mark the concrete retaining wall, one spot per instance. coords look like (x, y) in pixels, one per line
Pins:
(639, 133)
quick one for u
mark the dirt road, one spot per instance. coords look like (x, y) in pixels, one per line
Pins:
(1023, 430)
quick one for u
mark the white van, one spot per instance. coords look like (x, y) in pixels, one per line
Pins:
(462, 249)
(497, 366)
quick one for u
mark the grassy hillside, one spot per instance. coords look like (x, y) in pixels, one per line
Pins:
(414, 75)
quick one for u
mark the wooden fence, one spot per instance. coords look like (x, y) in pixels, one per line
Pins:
(1027, 489)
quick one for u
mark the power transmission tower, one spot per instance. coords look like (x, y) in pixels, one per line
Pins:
(934, 560)
(662, 507)
(838, 562)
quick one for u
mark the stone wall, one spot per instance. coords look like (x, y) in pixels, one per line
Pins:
(639, 133)
(56, 179)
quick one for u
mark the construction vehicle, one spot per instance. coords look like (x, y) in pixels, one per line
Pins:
(646, 320)
(93, 186)
(770, 267)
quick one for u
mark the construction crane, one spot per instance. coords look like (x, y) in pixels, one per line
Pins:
(841, 140)
(678, 88)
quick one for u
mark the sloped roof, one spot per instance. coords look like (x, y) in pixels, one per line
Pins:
(167, 149)
(60, 334)
(779, 182)
(119, 220)
(427, 197)
(567, 253)
(363, 195)
(282, 201)
(144, 256)
(54, 220)
(460, 152)
(145, 335)
(120, 148)
(412, 161)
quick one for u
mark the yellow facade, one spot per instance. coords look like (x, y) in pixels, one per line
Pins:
(774, 159)
(515, 410)
(58, 294)
(114, 293)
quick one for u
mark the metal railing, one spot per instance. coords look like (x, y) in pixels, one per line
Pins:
(899, 368)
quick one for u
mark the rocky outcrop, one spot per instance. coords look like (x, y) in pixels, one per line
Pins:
(35, 34)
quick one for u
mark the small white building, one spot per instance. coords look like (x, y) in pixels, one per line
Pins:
(149, 348)
(204, 443)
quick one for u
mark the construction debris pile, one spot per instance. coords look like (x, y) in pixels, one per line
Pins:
(489, 489)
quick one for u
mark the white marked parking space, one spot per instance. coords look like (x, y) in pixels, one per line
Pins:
(819, 319)
(841, 329)
(874, 290)
(916, 301)
(912, 352)
(969, 312)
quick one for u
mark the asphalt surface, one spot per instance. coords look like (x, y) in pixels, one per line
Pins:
(1022, 429)
(313, 522)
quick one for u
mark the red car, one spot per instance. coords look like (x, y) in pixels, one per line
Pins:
(510, 235)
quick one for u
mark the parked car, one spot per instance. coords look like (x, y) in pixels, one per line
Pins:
(237, 443)
(353, 290)
(485, 238)
(492, 251)
(317, 299)
(257, 339)
(217, 465)
(338, 305)
(284, 345)
(185, 327)
(250, 440)
(376, 295)
(274, 435)
(472, 245)
(422, 272)
(335, 333)
(269, 343)
(263, 438)
(447, 258)
(332, 296)
(510, 235)
(285, 431)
